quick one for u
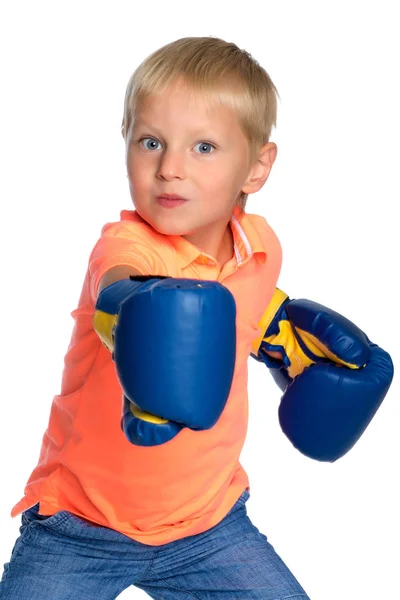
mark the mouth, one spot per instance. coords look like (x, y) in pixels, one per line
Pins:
(170, 200)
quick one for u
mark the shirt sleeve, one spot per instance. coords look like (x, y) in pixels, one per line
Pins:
(120, 245)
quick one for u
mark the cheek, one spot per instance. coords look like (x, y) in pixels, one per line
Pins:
(225, 178)
(138, 175)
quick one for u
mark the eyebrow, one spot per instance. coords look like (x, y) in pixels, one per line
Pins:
(205, 131)
(143, 125)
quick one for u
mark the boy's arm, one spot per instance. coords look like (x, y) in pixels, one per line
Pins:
(115, 274)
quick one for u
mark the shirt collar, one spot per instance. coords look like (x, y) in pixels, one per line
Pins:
(246, 239)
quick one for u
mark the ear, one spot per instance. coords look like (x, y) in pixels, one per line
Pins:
(261, 168)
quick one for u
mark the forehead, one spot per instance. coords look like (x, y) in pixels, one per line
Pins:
(180, 104)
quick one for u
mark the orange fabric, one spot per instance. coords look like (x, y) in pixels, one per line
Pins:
(159, 494)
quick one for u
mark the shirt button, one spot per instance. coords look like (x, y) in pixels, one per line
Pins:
(203, 260)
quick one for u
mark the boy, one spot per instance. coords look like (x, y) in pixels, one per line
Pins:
(160, 503)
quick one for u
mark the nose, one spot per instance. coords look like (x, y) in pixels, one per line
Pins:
(172, 166)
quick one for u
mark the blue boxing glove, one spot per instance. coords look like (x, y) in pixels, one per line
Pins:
(174, 346)
(333, 378)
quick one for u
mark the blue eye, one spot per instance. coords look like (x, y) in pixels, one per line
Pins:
(149, 143)
(206, 146)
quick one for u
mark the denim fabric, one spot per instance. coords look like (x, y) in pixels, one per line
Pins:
(64, 557)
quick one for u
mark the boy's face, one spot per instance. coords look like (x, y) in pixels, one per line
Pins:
(180, 144)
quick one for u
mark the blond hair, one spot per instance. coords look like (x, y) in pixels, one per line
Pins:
(218, 69)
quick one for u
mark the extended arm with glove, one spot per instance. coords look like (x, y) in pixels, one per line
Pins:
(174, 346)
(333, 378)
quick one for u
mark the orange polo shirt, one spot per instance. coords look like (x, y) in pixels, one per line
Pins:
(157, 494)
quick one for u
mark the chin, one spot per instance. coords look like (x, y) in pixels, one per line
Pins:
(166, 229)
(162, 226)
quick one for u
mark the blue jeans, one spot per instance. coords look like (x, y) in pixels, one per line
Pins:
(64, 557)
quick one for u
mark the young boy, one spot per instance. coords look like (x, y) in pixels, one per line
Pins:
(159, 503)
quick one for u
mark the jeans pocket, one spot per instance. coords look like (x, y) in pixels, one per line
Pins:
(31, 516)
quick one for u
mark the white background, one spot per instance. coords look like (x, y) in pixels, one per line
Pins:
(332, 198)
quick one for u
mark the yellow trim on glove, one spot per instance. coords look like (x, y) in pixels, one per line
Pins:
(277, 300)
(104, 324)
(298, 359)
(286, 338)
(318, 348)
(145, 416)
